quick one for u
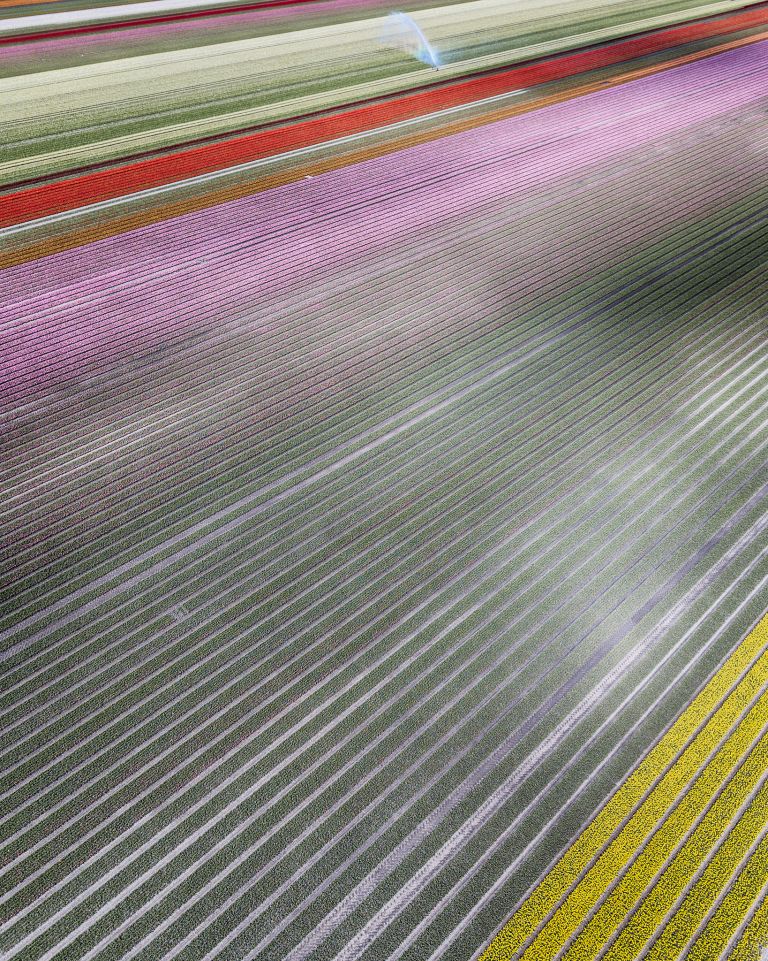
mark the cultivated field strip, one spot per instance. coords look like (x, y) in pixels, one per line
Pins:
(34, 56)
(43, 55)
(301, 531)
(43, 691)
(49, 232)
(749, 932)
(84, 113)
(365, 533)
(722, 764)
(140, 499)
(193, 234)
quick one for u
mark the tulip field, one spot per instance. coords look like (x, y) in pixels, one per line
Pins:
(385, 547)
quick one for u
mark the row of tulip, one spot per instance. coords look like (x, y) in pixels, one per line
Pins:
(671, 886)
(753, 942)
(721, 869)
(724, 923)
(601, 855)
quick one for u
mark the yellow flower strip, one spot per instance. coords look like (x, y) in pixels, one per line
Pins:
(716, 876)
(754, 938)
(671, 885)
(566, 921)
(548, 893)
(661, 846)
(748, 887)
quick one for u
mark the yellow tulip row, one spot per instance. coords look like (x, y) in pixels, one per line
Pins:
(643, 833)
(682, 750)
(716, 877)
(754, 941)
(670, 887)
(725, 921)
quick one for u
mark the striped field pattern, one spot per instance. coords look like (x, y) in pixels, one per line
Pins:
(665, 834)
(71, 103)
(375, 544)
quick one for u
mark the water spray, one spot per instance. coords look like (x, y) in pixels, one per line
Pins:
(403, 33)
